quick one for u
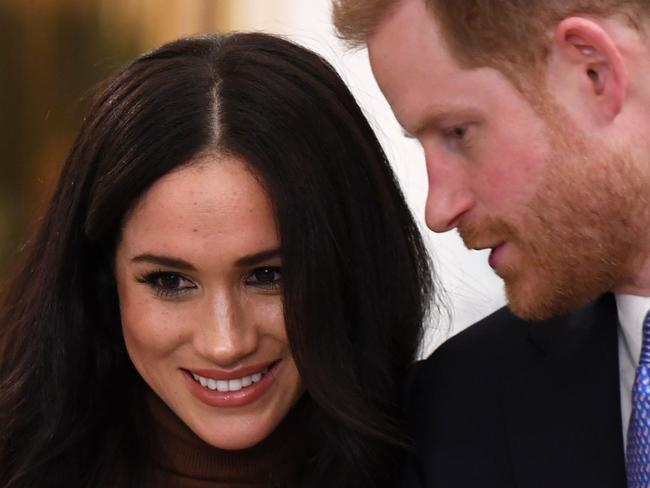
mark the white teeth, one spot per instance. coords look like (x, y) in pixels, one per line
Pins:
(230, 385)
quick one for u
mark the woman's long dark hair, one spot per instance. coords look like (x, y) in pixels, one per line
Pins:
(356, 274)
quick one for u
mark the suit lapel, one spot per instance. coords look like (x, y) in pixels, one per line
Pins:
(563, 416)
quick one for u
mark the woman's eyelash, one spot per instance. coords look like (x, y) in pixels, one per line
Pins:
(167, 283)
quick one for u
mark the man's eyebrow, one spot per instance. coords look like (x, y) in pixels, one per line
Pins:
(258, 257)
(164, 261)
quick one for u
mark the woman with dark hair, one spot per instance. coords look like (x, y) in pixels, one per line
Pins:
(227, 287)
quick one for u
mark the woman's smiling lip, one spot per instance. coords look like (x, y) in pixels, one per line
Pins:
(216, 374)
(228, 399)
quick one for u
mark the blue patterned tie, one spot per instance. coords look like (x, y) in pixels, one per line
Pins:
(638, 433)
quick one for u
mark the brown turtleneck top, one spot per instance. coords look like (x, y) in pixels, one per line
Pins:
(183, 460)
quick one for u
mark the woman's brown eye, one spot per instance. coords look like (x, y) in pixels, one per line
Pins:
(168, 284)
(169, 281)
(266, 277)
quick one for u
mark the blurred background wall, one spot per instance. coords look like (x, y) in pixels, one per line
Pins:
(53, 52)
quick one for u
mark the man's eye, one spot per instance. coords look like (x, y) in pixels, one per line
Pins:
(457, 132)
(267, 277)
(458, 137)
(168, 284)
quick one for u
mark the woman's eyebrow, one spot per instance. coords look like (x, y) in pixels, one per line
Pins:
(172, 262)
(258, 257)
(164, 261)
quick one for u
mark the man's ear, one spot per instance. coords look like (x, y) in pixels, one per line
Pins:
(586, 63)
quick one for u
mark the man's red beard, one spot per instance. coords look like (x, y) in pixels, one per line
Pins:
(577, 238)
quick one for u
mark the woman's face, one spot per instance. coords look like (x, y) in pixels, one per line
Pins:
(198, 271)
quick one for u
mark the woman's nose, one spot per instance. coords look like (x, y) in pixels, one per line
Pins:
(227, 334)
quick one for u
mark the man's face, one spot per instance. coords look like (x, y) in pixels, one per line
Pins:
(552, 203)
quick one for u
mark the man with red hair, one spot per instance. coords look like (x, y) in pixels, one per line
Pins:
(534, 119)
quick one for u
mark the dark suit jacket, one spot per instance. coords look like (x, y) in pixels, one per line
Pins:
(509, 403)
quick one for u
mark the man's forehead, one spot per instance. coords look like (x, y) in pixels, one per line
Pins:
(409, 23)
(406, 49)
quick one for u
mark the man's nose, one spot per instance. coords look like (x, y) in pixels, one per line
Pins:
(449, 195)
(227, 334)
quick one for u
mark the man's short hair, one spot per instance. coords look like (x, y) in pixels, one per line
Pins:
(509, 35)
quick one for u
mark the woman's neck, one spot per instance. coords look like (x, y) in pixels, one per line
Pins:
(183, 458)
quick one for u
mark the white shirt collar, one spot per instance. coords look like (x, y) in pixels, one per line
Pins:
(632, 310)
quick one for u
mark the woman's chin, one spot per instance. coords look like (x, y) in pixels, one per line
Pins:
(241, 435)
